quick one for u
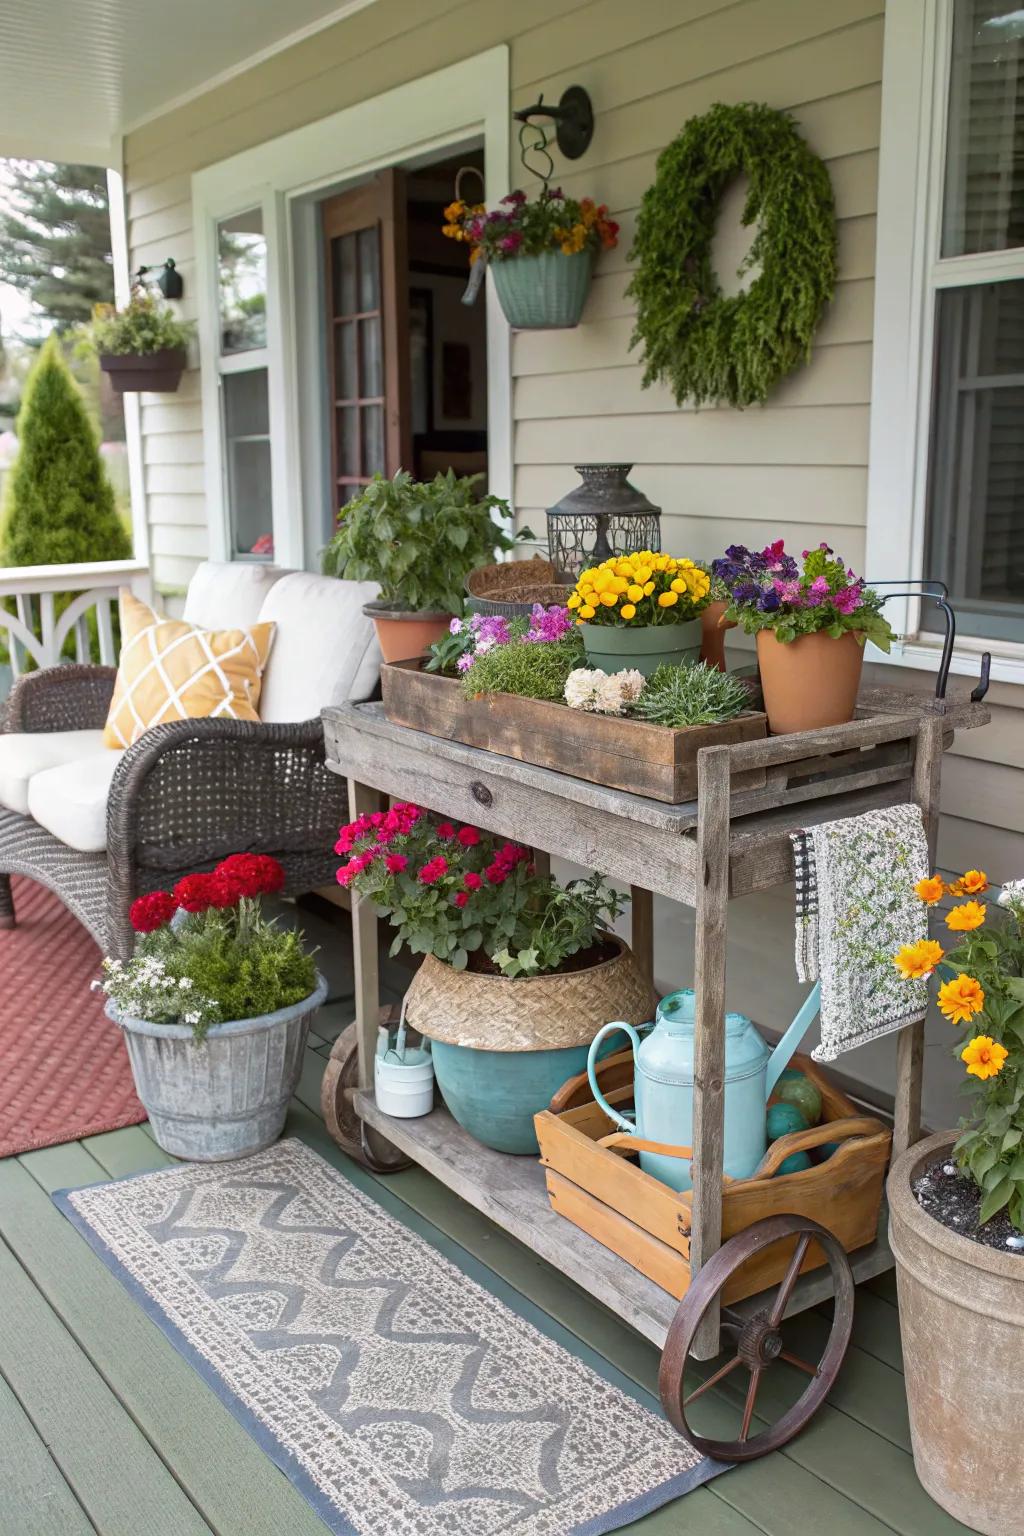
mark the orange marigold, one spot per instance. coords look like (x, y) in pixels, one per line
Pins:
(961, 998)
(962, 919)
(916, 961)
(930, 891)
(973, 882)
(984, 1056)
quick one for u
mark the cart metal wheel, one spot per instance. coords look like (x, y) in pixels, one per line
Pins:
(756, 1341)
(341, 1076)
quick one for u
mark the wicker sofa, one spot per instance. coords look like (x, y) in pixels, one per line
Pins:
(100, 827)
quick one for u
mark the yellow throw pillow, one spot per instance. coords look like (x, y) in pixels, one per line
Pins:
(171, 670)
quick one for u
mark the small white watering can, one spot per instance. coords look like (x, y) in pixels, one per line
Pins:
(663, 1085)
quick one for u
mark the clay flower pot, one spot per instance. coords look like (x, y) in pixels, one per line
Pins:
(404, 634)
(712, 635)
(962, 1321)
(809, 683)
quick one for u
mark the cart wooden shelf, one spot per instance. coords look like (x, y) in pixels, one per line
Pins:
(726, 843)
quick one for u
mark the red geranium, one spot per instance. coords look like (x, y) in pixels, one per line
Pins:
(433, 870)
(148, 913)
(194, 893)
(461, 898)
(256, 874)
(468, 837)
(225, 890)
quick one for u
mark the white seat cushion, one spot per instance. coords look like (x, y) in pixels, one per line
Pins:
(228, 594)
(23, 755)
(71, 801)
(325, 648)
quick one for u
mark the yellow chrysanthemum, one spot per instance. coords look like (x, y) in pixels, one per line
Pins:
(984, 1056)
(961, 998)
(574, 601)
(916, 961)
(964, 918)
(930, 891)
(679, 585)
(609, 599)
(642, 573)
(634, 593)
(667, 599)
(628, 610)
(648, 588)
(586, 612)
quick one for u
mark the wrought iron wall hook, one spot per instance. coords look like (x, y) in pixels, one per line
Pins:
(573, 119)
(538, 147)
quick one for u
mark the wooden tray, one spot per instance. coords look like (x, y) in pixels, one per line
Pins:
(648, 1224)
(651, 760)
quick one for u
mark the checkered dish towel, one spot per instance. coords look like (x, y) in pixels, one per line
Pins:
(855, 907)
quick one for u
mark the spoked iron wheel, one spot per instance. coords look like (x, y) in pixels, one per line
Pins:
(755, 1343)
(341, 1076)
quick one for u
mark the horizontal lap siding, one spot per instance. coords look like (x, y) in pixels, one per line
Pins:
(797, 467)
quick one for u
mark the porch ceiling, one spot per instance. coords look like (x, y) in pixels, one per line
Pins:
(76, 74)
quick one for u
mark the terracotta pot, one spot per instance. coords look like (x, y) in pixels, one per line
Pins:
(962, 1321)
(404, 634)
(156, 372)
(810, 682)
(712, 635)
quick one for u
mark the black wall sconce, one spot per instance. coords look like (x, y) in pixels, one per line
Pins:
(573, 119)
(169, 280)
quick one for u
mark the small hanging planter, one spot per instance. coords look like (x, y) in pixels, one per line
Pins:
(157, 372)
(544, 292)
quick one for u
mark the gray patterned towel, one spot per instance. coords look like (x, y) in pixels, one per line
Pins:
(855, 907)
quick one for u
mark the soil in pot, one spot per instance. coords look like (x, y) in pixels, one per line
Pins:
(404, 634)
(954, 1200)
(643, 646)
(809, 683)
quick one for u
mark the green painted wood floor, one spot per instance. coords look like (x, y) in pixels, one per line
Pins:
(104, 1427)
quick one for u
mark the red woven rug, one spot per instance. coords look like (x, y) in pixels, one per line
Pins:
(64, 1070)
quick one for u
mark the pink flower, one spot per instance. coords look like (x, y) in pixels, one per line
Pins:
(847, 599)
(460, 898)
(433, 870)
(468, 836)
(395, 863)
(445, 831)
(497, 873)
(472, 881)
(510, 242)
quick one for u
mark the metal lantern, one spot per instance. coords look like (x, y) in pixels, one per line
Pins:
(603, 516)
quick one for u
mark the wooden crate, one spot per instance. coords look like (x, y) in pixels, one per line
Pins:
(646, 1223)
(621, 753)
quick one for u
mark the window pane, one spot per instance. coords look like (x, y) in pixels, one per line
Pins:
(346, 384)
(983, 205)
(371, 361)
(373, 440)
(369, 269)
(247, 456)
(343, 274)
(975, 534)
(242, 276)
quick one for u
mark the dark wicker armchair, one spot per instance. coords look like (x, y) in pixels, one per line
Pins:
(182, 798)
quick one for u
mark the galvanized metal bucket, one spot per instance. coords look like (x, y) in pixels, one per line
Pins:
(225, 1096)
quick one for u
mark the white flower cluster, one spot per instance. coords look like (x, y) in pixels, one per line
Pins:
(142, 989)
(603, 693)
(1012, 896)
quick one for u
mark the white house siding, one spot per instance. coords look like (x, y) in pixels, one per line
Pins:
(797, 467)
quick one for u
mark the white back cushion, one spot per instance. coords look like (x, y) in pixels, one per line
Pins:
(325, 648)
(228, 594)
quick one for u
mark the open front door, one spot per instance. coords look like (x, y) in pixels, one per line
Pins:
(365, 252)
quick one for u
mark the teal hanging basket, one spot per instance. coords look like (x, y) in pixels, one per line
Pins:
(545, 292)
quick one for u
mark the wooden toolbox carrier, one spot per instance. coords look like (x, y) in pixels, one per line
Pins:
(726, 842)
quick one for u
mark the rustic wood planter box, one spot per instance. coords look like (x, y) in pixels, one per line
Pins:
(621, 753)
(648, 1224)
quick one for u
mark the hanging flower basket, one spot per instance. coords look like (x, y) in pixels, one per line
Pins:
(545, 292)
(156, 372)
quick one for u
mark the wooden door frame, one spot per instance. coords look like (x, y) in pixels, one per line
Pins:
(424, 117)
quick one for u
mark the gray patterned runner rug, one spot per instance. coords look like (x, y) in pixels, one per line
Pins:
(401, 1397)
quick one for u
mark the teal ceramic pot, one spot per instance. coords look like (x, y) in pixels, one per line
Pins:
(614, 647)
(544, 292)
(494, 1095)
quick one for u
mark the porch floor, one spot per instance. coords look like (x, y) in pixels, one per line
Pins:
(106, 1429)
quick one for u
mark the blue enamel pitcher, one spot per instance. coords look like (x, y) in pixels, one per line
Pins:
(663, 1085)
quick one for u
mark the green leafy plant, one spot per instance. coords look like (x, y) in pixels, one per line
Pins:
(469, 899)
(525, 667)
(698, 695)
(983, 988)
(144, 326)
(705, 346)
(205, 953)
(418, 539)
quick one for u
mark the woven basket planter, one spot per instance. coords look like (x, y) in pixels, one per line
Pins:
(544, 292)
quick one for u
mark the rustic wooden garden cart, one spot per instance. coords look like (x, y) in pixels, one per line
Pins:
(726, 843)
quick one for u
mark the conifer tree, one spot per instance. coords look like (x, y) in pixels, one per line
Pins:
(55, 238)
(58, 504)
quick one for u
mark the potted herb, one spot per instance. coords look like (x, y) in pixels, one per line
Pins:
(540, 253)
(215, 1006)
(418, 540)
(811, 622)
(519, 971)
(641, 610)
(141, 347)
(956, 1212)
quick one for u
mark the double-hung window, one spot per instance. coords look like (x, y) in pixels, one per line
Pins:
(243, 379)
(946, 496)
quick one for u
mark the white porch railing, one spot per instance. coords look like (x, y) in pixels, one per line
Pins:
(34, 631)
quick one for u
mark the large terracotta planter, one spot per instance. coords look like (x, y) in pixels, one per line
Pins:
(811, 682)
(403, 634)
(502, 1048)
(712, 635)
(962, 1321)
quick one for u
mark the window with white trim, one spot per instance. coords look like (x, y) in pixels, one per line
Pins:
(244, 375)
(946, 496)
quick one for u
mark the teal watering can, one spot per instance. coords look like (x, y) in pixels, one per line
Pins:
(663, 1085)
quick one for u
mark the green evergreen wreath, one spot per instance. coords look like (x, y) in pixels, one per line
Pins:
(706, 346)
